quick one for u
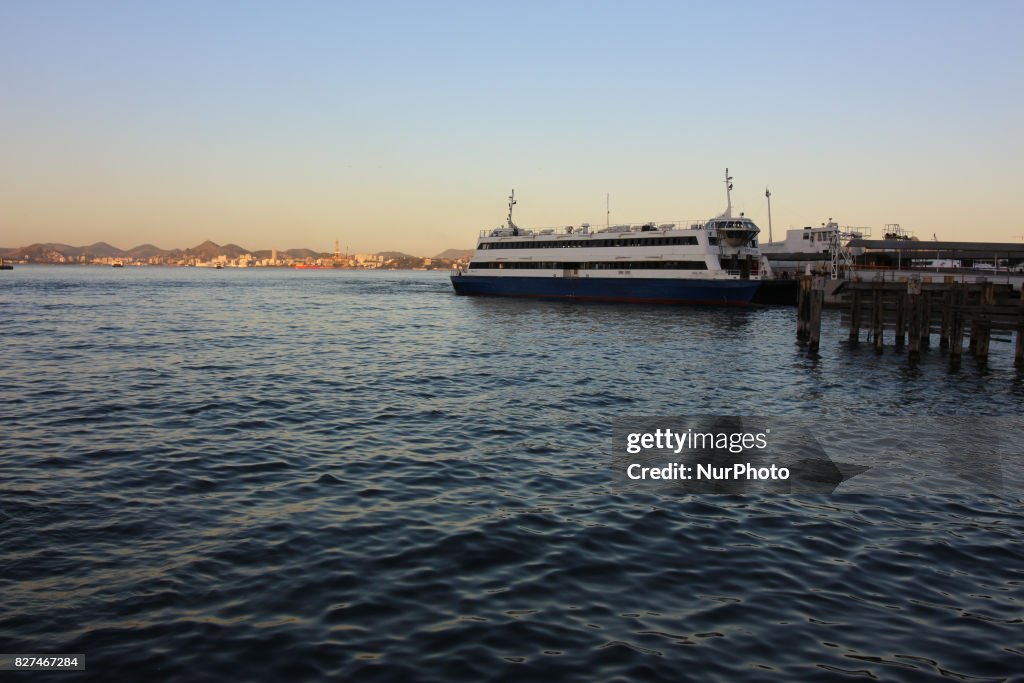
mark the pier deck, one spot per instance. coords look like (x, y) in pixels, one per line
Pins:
(912, 311)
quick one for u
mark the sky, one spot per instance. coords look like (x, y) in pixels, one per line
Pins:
(404, 125)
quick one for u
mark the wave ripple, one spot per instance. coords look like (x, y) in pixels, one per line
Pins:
(284, 475)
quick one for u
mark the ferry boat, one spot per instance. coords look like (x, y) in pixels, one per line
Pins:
(714, 262)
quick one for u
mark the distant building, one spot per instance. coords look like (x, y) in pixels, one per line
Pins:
(368, 260)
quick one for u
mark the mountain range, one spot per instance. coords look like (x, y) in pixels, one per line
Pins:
(206, 251)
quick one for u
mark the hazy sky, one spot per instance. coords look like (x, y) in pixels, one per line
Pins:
(403, 125)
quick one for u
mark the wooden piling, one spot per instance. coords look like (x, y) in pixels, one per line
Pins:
(955, 309)
(901, 319)
(988, 298)
(801, 311)
(956, 339)
(807, 308)
(1018, 353)
(984, 337)
(816, 300)
(958, 301)
(926, 320)
(914, 332)
(947, 319)
(855, 318)
(914, 311)
(988, 294)
(876, 320)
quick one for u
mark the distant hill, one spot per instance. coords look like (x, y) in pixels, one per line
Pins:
(206, 251)
(454, 254)
(210, 250)
(302, 253)
(394, 255)
(145, 251)
(102, 250)
(233, 250)
(38, 251)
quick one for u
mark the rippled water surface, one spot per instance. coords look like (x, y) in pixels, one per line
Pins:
(283, 475)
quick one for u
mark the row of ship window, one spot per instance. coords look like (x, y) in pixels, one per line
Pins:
(640, 242)
(605, 265)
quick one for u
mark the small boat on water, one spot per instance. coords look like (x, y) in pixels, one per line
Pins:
(713, 262)
(4, 265)
(117, 264)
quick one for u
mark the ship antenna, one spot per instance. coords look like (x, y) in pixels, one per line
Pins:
(728, 194)
(511, 203)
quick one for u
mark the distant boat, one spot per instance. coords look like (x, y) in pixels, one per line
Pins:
(5, 266)
(116, 264)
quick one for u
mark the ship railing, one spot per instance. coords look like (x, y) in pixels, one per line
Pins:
(591, 229)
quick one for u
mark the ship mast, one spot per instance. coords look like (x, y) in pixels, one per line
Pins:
(511, 203)
(728, 195)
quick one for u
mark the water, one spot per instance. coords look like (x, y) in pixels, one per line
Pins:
(269, 475)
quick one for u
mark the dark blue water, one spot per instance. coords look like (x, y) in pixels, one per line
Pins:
(278, 475)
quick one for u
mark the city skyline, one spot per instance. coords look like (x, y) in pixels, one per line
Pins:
(401, 126)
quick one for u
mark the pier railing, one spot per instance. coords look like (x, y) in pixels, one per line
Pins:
(936, 275)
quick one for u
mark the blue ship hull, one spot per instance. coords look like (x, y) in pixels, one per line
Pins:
(632, 290)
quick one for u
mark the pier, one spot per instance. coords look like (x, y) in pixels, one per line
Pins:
(915, 309)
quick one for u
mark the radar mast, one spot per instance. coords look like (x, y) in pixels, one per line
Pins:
(511, 203)
(728, 195)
